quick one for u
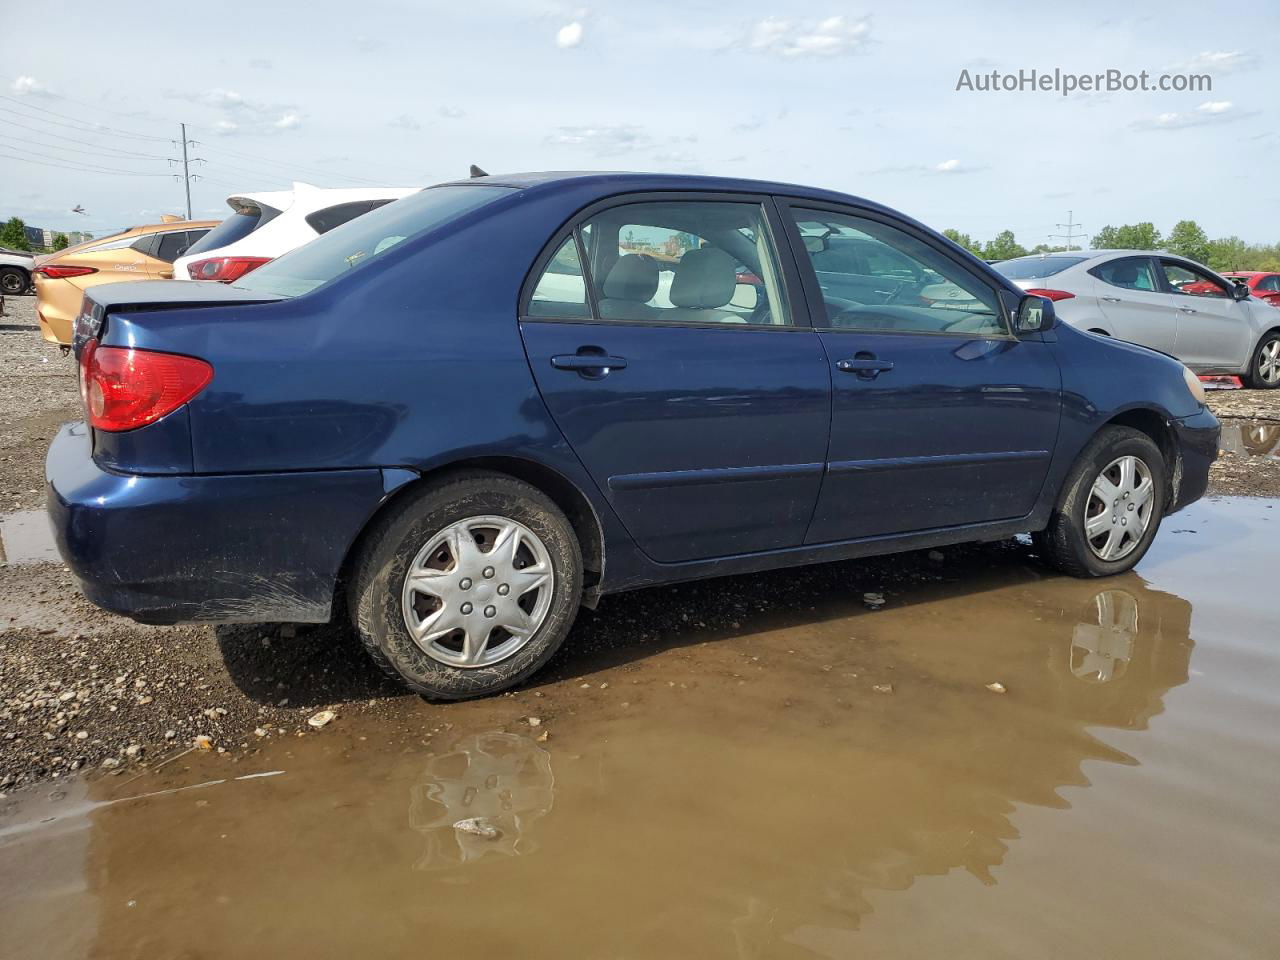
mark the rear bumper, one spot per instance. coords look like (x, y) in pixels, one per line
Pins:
(1197, 439)
(57, 302)
(171, 549)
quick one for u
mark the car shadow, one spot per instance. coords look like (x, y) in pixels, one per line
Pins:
(320, 664)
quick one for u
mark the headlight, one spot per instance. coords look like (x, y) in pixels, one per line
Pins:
(1194, 385)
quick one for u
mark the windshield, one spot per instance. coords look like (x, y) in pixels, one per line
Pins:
(363, 239)
(239, 225)
(1033, 268)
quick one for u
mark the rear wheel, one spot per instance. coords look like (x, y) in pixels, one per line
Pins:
(467, 587)
(13, 281)
(1264, 371)
(1110, 507)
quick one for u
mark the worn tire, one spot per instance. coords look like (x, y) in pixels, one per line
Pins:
(1254, 379)
(13, 281)
(1063, 544)
(389, 547)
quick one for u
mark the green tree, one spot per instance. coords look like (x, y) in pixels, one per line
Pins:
(1047, 248)
(14, 235)
(61, 241)
(963, 240)
(1130, 236)
(1187, 240)
(1003, 247)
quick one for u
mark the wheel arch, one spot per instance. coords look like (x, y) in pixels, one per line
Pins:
(1154, 424)
(563, 492)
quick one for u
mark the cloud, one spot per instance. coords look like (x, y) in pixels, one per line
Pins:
(1222, 61)
(570, 35)
(951, 166)
(226, 128)
(948, 166)
(603, 140)
(25, 86)
(288, 121)
(1211, 111)
(261, 63)
(241, 114)
(785, 37)
(405, 122)
(451, 113)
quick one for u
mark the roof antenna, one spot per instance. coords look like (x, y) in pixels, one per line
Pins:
(477, 172)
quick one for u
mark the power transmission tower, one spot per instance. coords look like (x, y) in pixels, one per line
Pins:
(1071, 234)
(187, 176)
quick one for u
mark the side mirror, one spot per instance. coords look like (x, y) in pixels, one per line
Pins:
(1035, 315)
(1241, 291)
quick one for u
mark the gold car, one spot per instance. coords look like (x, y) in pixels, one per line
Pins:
(139, 253)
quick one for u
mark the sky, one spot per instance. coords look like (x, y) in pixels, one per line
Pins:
(857, 97)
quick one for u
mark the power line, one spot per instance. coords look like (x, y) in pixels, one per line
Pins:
(85, 169)
(92, 127)
(88, 143)
(1070, 235)
(97, 152)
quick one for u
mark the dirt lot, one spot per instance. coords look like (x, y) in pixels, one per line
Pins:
(83, 689)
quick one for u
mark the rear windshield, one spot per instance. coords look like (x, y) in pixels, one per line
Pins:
(239, 225)
(356, 243)
(1033, 268)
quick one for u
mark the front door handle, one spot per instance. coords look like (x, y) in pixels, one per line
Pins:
(1187, 309)
(593, 365)
(865, 365)
(1110, 299)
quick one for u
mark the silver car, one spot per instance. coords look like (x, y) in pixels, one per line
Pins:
(1162, 301)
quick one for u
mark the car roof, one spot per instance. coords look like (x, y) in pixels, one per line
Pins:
(315, 196)
(611, 182)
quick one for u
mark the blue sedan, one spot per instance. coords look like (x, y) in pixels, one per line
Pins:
(462, 416)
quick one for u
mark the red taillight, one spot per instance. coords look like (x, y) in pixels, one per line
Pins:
(1050, 294)
(54, 272)
(124, 388)
(224, 269)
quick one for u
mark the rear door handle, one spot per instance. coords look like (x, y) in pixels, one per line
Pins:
(1188, 309)
(864, 366)
(588, 362)
(1110, 299)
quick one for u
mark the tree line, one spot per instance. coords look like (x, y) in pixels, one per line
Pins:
(13, 235)
(1186, 239)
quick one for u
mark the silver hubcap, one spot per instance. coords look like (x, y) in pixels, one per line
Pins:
(1269, 362)
(478, 591)
(1119, 510)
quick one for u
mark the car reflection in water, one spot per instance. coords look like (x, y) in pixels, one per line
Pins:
(504, 779)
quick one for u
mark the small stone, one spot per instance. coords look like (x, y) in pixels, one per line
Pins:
(82, 734)
(261, 732)
(534, 721)
(202, 742)
(170, 734)
(110, 762)
(936, 556)
(585, 686)
(883, 688)
(132, 750)
(67, 695)
(544, 736)
(997, 687)
(321, 719)
(478, 827)
(604, 686)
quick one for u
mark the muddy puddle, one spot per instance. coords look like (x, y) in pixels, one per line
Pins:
(828, 781)
(1251, 438)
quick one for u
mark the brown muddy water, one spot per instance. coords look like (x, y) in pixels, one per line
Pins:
(831, 782)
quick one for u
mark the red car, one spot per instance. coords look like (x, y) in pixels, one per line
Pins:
(1261, 284)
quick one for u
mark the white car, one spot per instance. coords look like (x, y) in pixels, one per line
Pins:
(15, 271)
(1162, 301)
(262, 226)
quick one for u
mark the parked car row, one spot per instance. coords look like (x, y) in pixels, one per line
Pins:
(261, 227)
(1164, 302)
(464, 414)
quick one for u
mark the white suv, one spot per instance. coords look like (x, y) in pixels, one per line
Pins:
(262, 226)
(1162, 301)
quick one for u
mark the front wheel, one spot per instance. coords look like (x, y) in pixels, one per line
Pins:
(467, 587)
(1264, 371)
(1110, 507)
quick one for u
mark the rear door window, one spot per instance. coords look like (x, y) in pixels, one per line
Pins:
(562, 288)
(172, 245)
(1128, 273)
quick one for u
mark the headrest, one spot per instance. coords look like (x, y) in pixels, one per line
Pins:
(704, 279)
(633, 278)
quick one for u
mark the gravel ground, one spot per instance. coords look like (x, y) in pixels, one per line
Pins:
(81, 689)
